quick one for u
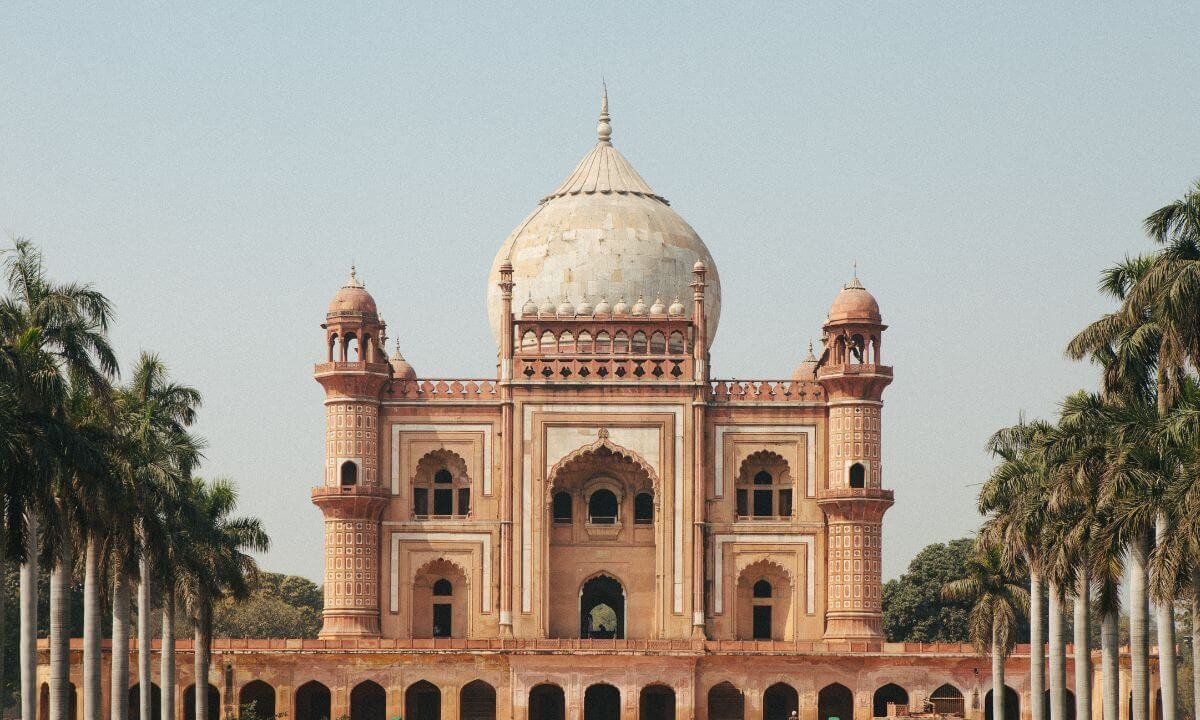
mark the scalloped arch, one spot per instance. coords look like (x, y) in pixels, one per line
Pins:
(764, 457)
(435, 460)
(601, 447)
(762, 564)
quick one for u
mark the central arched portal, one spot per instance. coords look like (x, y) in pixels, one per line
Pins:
(602, 609)
(603, 503)
(602, 702)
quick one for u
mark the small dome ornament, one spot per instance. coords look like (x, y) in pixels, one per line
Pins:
(352, 297)
(854, 303)
(604, 127)
(639, 307)
(676, 309)
(585, 309)
(806, 371)
(566, 309)
(401, 369)
(602, 307)
(547, 308)
(621, 309)
(658, 308)
(530, 308)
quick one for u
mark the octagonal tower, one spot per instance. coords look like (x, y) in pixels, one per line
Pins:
(354, 373)
(853, 499)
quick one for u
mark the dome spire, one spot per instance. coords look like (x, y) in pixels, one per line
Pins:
(604, 129)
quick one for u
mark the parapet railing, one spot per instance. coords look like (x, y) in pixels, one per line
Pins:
(445, 389)
(573, 644)
(766, 391)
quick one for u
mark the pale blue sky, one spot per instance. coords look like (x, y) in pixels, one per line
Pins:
(215, 169)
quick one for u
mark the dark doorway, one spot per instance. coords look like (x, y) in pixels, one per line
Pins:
(259, 696)
(422, 701)
(214, 704)
(368, 701)
(602, 608)
(780, 701)
(835, 701)
(312, 701)
(725, 702)
(762, 622)
(547, 702)
(1012, 705)
(948, 700)
(602, 702)
(135, 702)
(442, 620)
(890, 693)
(656, 702)
(1068, 700)
(477, 701)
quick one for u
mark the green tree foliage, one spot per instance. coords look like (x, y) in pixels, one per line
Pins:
(913, 610)
(279, 606)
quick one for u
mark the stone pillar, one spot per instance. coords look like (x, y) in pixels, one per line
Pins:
(339, 701)
(754, 703)
(395, 701)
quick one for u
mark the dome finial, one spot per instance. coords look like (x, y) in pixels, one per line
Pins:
(353, 281)
(811, 357)
(604, 128)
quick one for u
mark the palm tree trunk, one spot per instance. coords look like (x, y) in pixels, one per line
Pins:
(1058, 656)
(1139, 649)
(145, 633)
(119, 687)
(3, 622)
(1195, 642)
(1083, 653)
(1164, 616)
(166, 674)
(91, 632)
(28, 644)
(1109, 669)
(203, 638)
(997, 675)
(60, 634)
(1037, 648)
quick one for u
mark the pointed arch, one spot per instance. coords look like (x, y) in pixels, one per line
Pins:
(440, 599)
(477, 701)
(368, 701)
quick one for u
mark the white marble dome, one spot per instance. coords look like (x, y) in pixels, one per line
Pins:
(604, 233)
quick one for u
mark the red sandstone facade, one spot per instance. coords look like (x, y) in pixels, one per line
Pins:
(601, 531)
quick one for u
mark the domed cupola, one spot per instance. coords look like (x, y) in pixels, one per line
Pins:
(604, 232)
(352, 298)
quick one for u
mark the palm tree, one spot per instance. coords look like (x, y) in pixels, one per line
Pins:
(157, 413)
(215, 565)
(50, 332)
(998, 604)
(1016, 496)
(1140, 356)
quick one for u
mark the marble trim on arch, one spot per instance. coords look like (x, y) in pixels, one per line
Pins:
(484, 539)
(527, 490)
(809, 432)
(810, 564)
(486, 428)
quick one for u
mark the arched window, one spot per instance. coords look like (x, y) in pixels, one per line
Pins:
(761, 609)
(643, 509)
(548, 342)
(639, 342)
(602, 508)
(562, 509)
(675, 343)
(443, 608)
(858, 476)
(529, 341)
(584, 345)
(603, 342)
(765, 494)
(658, 343)
(441, 487)
(621, 342)
(349, 473)
(566, 342)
